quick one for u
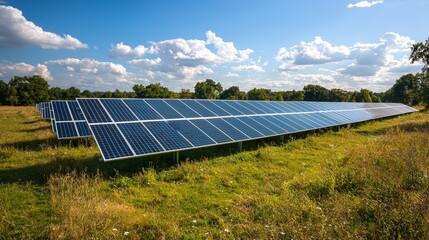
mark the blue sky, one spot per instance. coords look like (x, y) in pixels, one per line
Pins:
(281, 45)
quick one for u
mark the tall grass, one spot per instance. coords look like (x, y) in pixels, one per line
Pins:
(368, 182)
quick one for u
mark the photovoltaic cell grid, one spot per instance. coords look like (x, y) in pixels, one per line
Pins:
(44, 109)
(68, 120)
(126, 128)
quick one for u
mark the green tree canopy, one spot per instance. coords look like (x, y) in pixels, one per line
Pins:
(406, 90)
(420, 51)
(185, 94)
(233, 93)
(259, 94)
(29, 90)
(208, 89)
(152, 91)
(315, 93)
(4, 90)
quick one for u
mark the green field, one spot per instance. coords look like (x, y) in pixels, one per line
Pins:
(366, 182)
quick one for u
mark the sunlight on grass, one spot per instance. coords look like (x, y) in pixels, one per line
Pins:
(365, 182)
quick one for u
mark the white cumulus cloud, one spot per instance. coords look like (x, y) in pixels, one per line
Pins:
(122, 50)
(364, 4)
(8, 70)
(318, 51)
(91, 74)
(16, 31)
(249, 67)
(183, 58)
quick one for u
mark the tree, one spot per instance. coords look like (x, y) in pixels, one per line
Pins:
(55, 93)
(30, 90)
(420, 51)
(185, 94)
(87, 94)
(315, 93)
(152, 91)
(406, 90)
(233, 93)
(4, 90)
(71, 93)
(293, 95)
(259, 94)
(208, 89)
(338, 95)
(362, 96)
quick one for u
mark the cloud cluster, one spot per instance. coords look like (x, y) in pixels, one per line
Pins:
(92, 74)
(122, 50)
(379, 63)
(9, 70)
(365, 59)
(16, 31)
(182, 58)
(364, 4)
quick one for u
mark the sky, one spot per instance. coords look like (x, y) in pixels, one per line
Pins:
(275, 44)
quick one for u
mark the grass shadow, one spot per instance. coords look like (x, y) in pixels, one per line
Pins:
(31, 145)
(35, 129)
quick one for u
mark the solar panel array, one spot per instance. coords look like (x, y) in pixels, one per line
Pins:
(126, 128)
(44, 109)
(68, 120)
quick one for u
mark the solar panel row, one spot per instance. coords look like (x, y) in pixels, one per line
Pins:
(133, 127)
(44, 109)
(68, 120)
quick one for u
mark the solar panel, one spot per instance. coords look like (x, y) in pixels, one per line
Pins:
(68, 120)
(126, 128)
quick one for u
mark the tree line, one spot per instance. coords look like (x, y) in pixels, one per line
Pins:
(410, 89)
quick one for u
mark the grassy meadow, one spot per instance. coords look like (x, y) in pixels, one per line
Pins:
(369, 181)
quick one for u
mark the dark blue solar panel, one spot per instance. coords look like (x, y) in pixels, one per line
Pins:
(197, 107)
(256, 126)
(227, 129)
(169, 138)
(252, 107)
(297, 107)
(226, 107)
(61, 111)
(140, 138)
(275, 125)
(239, 107)
(192, 133)
(327, 119)
(75, 110)
(93, 110)
(182, 108)
(272, 106)
(83, 129)
(212, 131)
(286, 108)
(110, 141)
(303, 121)
(118, 110)
(286, 124)
(262, 106)
(288, 121)
(313, 121)
(268, 122)
(243, 127)
(213, 108)
(141, 109)
(66, 130)
(164, 109)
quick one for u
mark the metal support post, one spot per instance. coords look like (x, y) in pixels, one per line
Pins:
(176, 157)
(240, 146)
(282, 139)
